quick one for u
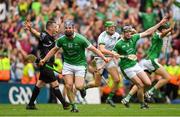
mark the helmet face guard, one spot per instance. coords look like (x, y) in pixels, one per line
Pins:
(127, 32)
(127, 28)
(68, 23)
(69, 28)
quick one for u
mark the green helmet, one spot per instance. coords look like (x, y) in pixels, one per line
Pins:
(109, 23)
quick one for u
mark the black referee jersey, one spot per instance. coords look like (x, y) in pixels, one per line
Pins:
(46, 43)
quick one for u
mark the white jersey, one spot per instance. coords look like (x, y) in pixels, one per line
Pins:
(108, 40)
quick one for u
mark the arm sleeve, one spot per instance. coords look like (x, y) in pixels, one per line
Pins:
(86, 43)
(58, 43)
(140, 14)
(135, 37)
(43, 37)
(156, 36)
(116, 48)
(101, 40)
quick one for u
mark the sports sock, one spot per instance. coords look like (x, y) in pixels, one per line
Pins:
(152, 90)
(142, 103)
(74, 106)
(110, 96)
(128, 97)
(35, 93)
(86, 86)
(58, 94)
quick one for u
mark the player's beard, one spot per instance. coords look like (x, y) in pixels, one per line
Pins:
(69, 34)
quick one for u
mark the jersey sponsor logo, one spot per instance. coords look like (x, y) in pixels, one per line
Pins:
(110, 46)
(123, 46)
(64, 44)
(72, 53)
(70, 45)
(114, 38)
(48, 44)
(19, 95)
(42, 36)
(130, 50)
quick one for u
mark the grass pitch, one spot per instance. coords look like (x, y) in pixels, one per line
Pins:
(91, 110)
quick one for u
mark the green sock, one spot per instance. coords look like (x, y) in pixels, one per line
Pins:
(128, 97)
(110, 96)
(141, 103)
(74, 105)
(85, 86)
(152, 90)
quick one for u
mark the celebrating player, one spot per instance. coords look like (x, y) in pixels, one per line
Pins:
(131, 69)
(150, 63)
(74, 67)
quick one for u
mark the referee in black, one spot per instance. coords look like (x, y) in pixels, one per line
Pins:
(46, 43)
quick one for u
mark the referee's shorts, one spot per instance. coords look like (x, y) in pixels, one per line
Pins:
(47, 75)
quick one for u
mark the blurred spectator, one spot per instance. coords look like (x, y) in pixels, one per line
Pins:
(58, 65)
(36, 7)
(17, 65)
(149, 18)
(23, 7)
(3, 10)
(176, 10)
(174, 83)
(4, 65)
(28, 73)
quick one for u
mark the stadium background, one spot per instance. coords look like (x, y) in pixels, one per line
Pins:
(89, 16)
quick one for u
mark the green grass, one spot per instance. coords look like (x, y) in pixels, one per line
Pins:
(91, 110)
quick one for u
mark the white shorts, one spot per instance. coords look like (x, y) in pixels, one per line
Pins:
(132, 71)
(149, 65)
(108, 65)
(77, 71)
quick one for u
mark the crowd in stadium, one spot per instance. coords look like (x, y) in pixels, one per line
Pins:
(89, 17)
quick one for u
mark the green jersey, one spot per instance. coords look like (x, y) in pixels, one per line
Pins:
(127, 47)
(74, 49)
(156, 46)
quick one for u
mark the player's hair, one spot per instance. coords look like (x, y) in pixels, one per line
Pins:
(49, 23)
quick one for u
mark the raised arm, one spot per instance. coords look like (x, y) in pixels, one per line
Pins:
(28, 26)
(168, 30)
(49, 55)
(151, 30)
